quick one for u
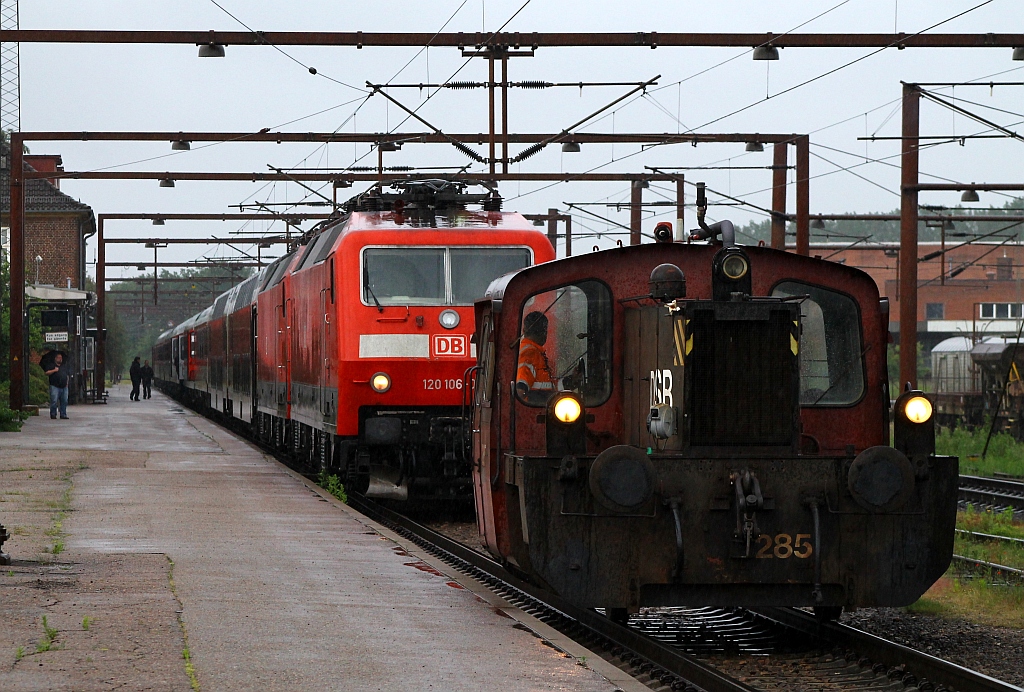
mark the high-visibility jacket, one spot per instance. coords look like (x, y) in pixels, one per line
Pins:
(533, 368)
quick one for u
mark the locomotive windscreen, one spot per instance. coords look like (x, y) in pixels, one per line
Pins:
(743, 374)
(436, 275)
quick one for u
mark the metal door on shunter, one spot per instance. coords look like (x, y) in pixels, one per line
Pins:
(654, 355)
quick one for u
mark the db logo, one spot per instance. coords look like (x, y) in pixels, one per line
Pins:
(449, 346)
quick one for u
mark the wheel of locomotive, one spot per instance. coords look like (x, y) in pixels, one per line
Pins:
(827, 613)
(619, 616)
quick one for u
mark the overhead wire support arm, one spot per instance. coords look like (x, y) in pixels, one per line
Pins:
(280, 171)
(963, 111)
(530, 151)
(379, 89)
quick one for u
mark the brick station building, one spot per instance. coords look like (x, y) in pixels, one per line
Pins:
(56, 225)
(974, 290)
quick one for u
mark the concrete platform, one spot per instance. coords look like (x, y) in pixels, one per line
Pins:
(180, 535)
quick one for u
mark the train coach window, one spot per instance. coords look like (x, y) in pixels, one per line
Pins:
(474, 268)
(831, 357)
(565, 344)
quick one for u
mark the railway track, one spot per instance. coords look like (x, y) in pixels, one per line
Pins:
(974, 565)
(712, 649)
(992, 493)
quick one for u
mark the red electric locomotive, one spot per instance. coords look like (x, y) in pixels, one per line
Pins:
(704, 424)
(350, 353)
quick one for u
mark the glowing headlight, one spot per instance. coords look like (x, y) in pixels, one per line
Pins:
(735, 267)
(449, 319)
(380, 382)
(918, 409)
(567, 409)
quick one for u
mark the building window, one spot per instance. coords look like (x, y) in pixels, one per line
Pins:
(998, 311)
(935, 311)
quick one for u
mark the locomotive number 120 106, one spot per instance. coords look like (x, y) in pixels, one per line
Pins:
(442, 384)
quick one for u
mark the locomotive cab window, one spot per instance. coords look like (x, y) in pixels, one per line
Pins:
(564, 344)
(435, 276)
(831, 356)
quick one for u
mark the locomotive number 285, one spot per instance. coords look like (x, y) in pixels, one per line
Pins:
(784, 546)
(442, 384)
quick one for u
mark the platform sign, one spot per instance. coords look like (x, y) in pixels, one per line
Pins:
(56, 337)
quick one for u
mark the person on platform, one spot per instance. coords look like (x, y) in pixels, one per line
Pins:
(135, 372)
(534, 381)
(58, 375)
(147, 381)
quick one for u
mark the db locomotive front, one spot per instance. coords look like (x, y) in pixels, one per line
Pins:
(704, 424)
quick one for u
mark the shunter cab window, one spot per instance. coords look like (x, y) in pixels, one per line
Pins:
(564, 344)
(435, 276)
(831, 357)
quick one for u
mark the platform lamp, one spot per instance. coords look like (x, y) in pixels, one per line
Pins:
(1018, 53)
(570, 147)
(181, 145)
(755, 146)
(167, 182)
(211, 49)
(158, 221)
(818, 225)
(970, 195)
(765, 52)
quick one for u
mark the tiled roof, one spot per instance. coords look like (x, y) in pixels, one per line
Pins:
(40, 195)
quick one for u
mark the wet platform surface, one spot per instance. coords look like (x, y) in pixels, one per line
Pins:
(279, 588)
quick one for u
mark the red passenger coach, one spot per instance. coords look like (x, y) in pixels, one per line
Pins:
(351, 353)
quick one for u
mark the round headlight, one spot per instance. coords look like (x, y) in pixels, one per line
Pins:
(735, 267)
(449, 319)
(918, 409)
(567, 409)
(380, 382)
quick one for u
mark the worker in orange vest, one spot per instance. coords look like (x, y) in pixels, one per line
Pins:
(533, 375)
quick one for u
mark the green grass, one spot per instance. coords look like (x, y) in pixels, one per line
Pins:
(332, 484)
(987, 521)
(1005, 454)
(926, 606)
(86, 623)
(975, 600)
(49, 637)
(190, 669)
(19, 653)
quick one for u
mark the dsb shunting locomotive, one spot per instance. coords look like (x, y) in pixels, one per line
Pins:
(704, 424)
(349, 353)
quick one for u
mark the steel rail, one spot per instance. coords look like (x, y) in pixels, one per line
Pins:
(1010, 573)
(973, 535)
(493, 574)
(922, 665)
(502, 41)
(992, 491)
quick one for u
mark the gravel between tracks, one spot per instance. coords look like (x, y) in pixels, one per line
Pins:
(994, 651)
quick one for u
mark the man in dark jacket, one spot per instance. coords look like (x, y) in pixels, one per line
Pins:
(147, 381)
(58, 375)
(135, 372)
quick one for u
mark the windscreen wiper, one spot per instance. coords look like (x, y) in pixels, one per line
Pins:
(380, 308)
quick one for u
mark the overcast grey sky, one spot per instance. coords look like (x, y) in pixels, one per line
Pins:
(148, 87)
